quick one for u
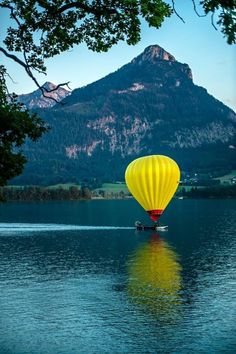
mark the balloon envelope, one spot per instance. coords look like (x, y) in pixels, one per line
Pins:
(153, 180)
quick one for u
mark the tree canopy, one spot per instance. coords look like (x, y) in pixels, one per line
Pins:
(41, 29)
(16, 125)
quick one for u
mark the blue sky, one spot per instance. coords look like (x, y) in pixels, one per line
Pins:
(197, 43)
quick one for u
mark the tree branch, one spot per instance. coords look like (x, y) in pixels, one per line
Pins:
(22, 34)
(13, 57)
(56, 88)
(177, 14)
(11, 8)
(212, 21)
(195, 10)
(29, 72)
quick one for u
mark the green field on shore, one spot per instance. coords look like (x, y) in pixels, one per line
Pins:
(106, 187)
(227, 178)
(63, 186)
(113, 187)
(121, 186)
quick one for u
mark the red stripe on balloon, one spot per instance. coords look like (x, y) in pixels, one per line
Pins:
(155, 214)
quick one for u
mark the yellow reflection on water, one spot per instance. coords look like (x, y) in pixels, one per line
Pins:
(155, 277)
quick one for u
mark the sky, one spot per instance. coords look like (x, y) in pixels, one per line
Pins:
(195, 42)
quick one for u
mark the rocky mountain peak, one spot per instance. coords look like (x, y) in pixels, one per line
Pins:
(36, 99)
(149, 106)
(50, 86)
(153, 54)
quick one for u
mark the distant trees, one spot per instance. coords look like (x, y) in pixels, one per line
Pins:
(85, 193)
(35, 193)
(220, 192)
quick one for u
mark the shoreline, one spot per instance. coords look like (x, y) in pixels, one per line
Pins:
(40, 194)
(105, 199)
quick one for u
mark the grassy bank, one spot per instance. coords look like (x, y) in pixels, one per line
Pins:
(35, 193)
(224, 188)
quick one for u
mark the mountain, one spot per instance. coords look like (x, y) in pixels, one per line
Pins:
(149, 106)
(35, 99)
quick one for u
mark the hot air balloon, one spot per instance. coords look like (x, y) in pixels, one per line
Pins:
(153, 180)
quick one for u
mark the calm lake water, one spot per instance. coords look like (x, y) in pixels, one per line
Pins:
(70, 285)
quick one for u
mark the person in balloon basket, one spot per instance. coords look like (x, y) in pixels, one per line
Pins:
(140, 226)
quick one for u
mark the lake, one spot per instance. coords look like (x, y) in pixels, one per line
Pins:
(75, 277)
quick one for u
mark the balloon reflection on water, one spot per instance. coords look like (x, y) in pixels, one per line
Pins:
(155, 278)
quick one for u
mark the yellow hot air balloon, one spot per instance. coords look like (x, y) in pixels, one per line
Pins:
(153, 180)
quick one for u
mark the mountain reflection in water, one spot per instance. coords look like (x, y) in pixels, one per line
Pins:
(155, 278)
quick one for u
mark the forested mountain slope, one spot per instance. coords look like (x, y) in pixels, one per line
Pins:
(149, 106)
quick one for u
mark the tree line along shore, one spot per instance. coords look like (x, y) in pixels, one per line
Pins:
(39, 193)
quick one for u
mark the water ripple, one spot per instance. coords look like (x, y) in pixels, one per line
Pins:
(9, 228)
